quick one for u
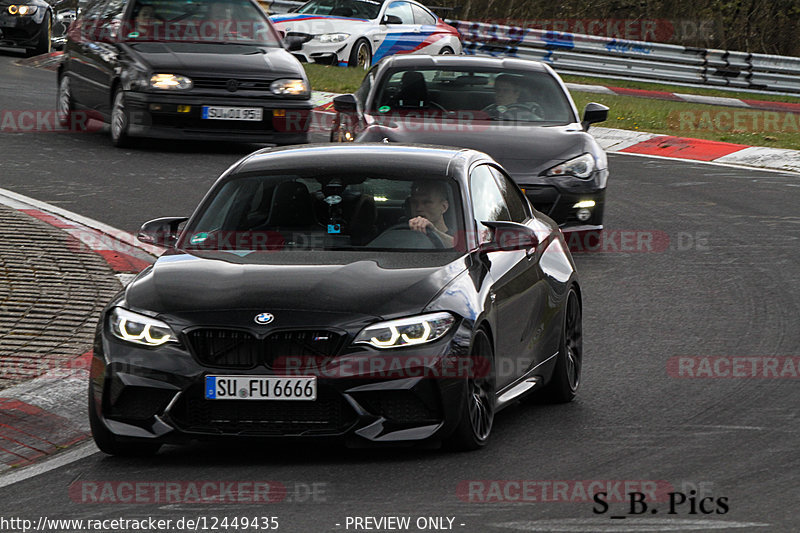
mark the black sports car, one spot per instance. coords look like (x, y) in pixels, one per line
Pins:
(35, 25)
(181, 70)
(517, 111)
(379, 293)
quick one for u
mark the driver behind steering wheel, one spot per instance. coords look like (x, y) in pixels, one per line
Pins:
(507, 92)
(428, 203)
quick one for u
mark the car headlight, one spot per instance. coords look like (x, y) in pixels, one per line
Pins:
(580, 167)
(139, 329)
(170, 82)
(289, 87)
(406, 331)
(22, 10)
(333, 37)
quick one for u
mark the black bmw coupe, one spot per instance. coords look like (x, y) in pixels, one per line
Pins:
(377, 293)
(517, 111)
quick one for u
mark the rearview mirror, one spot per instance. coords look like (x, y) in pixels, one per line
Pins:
(161, 231)
(509, 236)
(391, 19)
(593, 112)
(345, 103)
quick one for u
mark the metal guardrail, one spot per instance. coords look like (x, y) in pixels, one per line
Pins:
(587, 55)
(570, 53)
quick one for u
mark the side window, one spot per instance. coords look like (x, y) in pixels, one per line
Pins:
(91, 10)
(113, 9)
(421, 16)
(516, 203)
(487, 200)
(402, 10)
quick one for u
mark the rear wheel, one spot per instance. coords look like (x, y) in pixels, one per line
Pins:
(109, 443)
(120, 121)
(65, 105)
(477, 417)
(566, 378)
(446, 51)
(361, 55)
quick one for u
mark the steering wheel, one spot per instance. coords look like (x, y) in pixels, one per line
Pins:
(494, 110)
(429, 233)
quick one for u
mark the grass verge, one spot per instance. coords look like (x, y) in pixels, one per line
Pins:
(608, 82)
(717, 123)
(333, 79)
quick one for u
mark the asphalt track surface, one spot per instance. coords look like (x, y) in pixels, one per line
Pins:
(727, 284)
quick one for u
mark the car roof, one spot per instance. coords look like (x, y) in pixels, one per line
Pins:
(464, 61)
(391, 159)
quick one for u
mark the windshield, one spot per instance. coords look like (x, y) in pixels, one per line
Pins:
(328, 212)
(361, 9)
(206, 21)
(516, 96)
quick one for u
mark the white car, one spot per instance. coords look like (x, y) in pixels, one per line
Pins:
(358, 33)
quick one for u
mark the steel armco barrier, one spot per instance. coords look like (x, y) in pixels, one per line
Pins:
(570, 53)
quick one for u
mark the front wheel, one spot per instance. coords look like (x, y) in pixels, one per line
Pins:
(477, 417)
(120, 121)
(446, 51)
(566, 378)
(44, 43)
(361, 56)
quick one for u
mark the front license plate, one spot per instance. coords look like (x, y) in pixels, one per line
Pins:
(261, 388)
(232, 113)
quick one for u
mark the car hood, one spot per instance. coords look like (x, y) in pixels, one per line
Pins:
(346, 282)
(318, 24)
(523, 151)
(219, 59)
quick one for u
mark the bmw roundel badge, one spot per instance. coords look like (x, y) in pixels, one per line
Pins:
(264, 318)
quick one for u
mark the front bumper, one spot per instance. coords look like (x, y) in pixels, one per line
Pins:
(177, 116)
(325, 53)
(557, 198)
(20, 31)
(143, 394)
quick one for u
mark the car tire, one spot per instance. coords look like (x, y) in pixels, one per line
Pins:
(44, 43)
(566, 379)
(65, 105)
(110, 444)
(361, 55)
(477, 415)
(120, 121)
(446, 51)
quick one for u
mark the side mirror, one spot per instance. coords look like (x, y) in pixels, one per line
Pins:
(391, 19)
(509, 236)
(345, 103)
(293, 43)
(161, 231)
(593, 112)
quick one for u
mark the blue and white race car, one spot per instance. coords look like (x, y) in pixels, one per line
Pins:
(358, 33)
